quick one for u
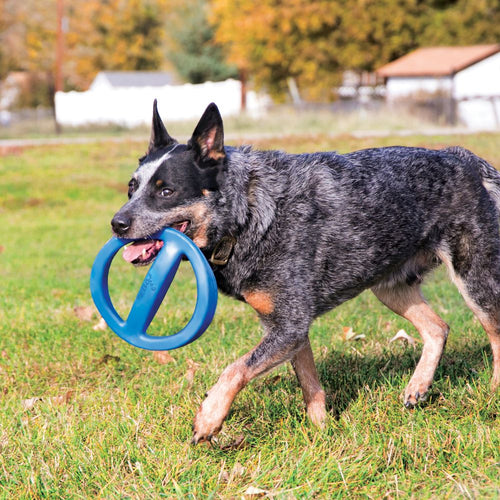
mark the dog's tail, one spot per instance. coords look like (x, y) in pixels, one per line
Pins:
(490, 176)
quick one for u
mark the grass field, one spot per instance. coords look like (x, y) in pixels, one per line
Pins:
(298, 121)
(86, 415)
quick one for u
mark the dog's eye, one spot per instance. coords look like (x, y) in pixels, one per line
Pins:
(166, 192)
(132, 186)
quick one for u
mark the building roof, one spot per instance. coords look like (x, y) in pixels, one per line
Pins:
(437, 61)
(138, 78)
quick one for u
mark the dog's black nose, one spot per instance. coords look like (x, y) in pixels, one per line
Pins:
(120, 224)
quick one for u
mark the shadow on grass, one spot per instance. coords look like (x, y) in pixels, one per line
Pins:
(344, 374)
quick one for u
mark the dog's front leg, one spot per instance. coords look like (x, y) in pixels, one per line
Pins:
(307, 375)
(275, 348)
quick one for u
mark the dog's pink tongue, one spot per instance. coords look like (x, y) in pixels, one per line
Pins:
(138, 249)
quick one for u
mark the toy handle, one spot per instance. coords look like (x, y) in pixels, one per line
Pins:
(153, 290)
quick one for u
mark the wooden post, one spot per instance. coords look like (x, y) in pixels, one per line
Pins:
(59, 47)
(58, 80)
(243, 79)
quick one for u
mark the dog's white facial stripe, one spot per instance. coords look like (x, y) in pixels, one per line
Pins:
(144, 173)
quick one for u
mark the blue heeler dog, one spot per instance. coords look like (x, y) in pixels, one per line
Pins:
(296, 235)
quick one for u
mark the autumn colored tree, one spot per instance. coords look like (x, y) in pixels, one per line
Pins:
(4, 24)
(267, 38)
(314, 42)
(270, 40)
(113, 35)
(27, 34)
(99, 35)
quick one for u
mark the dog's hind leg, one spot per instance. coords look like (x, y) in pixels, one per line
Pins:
(475, 270)
(282, 342)
(492, 328)
(307, 375)
(408, 301)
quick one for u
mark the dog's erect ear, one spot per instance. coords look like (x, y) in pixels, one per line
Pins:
(208, 136)
(159, 135)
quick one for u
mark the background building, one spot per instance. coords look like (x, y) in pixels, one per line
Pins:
(463, 81)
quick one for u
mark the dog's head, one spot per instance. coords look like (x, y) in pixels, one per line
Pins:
(173, 186)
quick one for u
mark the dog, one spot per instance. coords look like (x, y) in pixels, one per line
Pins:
(296, 235)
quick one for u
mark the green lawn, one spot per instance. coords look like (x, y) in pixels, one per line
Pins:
(113, 421)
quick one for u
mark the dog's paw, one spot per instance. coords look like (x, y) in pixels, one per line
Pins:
(416, 393)
(204, 429)
(317, 416)
(208, 421)
(316, 410)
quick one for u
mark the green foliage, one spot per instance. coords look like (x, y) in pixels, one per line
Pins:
(4, 64)
(196, 56)
(114, 423)
(461, 22)
(38, 91)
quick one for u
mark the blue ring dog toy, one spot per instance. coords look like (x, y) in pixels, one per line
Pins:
(153, 290)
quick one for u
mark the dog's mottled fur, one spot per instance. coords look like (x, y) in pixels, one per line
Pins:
(314, 230)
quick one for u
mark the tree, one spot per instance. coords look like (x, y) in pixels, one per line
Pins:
(114, 35)
(314, 42)
(5, 21)
(101, 34)
(194, 52)
(461, 22)
(269, 40)
(27, 35)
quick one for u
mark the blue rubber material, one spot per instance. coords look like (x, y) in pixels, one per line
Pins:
(153, 290)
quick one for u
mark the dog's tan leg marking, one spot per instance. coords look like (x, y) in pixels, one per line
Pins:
(215, 407)
(261, 301)
(408, 302)
(314, 395)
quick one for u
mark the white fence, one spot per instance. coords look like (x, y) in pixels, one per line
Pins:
(479, 113)
(131, 107)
